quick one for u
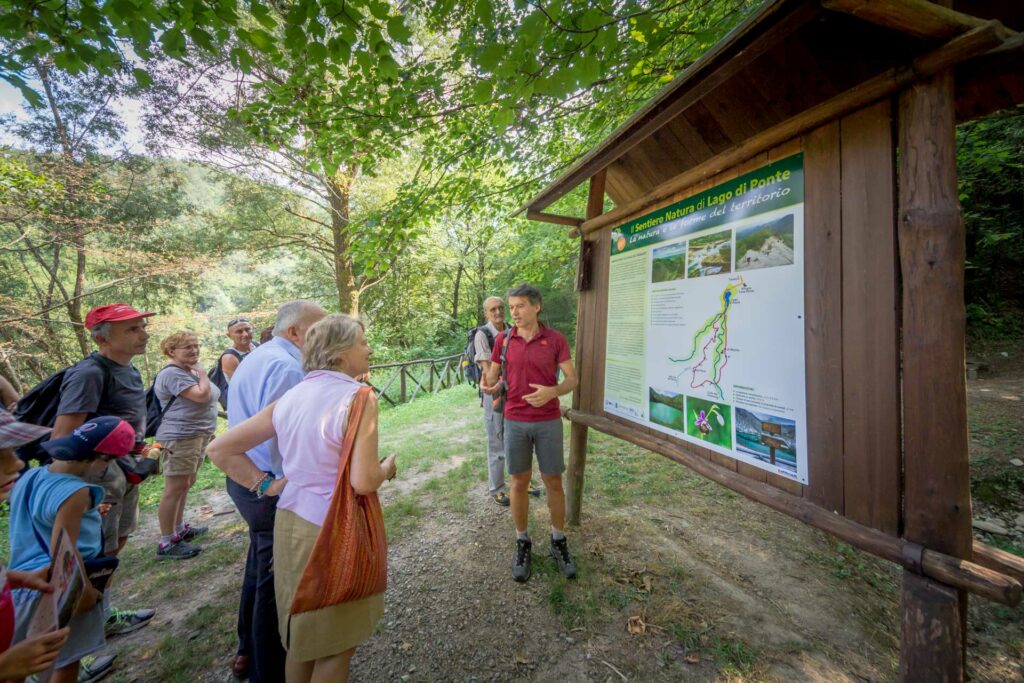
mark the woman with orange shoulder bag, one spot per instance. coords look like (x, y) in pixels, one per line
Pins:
(330, 550)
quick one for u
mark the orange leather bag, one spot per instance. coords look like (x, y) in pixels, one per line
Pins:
(350, 557)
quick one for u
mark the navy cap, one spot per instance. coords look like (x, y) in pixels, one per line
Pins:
(106, 435)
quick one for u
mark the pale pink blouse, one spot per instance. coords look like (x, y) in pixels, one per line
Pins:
(310, 422)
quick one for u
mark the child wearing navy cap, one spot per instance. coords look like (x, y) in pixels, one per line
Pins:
(56, 497)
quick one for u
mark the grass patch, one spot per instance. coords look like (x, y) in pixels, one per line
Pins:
(414, 432)
(402, 516)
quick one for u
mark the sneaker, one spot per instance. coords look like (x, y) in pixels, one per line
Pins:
(522, 561)
(534, 490)
(123, 621)
(560, 554)
(182, 550)
(501, 498)
(95, 668)
(191, 532)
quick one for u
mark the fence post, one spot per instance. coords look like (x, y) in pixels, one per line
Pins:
(401, 380)
(430, 387)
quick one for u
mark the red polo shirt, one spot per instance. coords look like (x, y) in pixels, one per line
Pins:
(531, 362)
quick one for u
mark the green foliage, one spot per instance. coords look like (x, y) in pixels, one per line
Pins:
(990, 160)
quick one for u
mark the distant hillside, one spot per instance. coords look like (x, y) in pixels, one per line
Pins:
(753, 239)
(673, 401)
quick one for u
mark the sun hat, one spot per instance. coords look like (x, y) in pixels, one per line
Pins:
(14, 433)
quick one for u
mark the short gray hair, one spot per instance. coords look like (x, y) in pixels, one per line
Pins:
(290, 314)
(101, 330)
(528, 291)
(494, 298)
(327, 339)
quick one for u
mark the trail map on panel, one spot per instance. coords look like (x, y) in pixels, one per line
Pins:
(706, 320)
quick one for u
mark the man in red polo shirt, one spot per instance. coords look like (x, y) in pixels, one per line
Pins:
(533, 355)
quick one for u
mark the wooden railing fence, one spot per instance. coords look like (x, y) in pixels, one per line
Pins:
(415, 377)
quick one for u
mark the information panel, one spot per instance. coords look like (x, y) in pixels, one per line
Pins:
(706, 320)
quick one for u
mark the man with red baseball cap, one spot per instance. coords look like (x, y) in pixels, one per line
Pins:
(106, 383)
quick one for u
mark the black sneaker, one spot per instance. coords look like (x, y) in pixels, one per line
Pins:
(182, 550)
(191, 532)
(123, 621)
(94, 668)
(523, 560)
(560, 554)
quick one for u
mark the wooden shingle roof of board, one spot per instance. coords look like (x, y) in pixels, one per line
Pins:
(791, 66)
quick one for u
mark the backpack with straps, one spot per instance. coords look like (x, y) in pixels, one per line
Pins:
(470, 369)
(219, 379)
(154, 411)
(39, 407)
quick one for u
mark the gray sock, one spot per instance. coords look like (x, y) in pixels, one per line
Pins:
(556, 534)
(522, 536)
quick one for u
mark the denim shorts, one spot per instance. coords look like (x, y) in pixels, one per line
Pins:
(523, 439)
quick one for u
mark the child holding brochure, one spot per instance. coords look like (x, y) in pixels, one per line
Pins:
(38, 653)
(56, 498)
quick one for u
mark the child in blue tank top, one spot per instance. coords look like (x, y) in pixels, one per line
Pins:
(55, 497)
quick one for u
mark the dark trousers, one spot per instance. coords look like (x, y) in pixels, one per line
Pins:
(258, 634)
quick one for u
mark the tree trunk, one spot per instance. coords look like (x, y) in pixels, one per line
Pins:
(339, 187)
(455, 296)
(481, 278)
(74, 306)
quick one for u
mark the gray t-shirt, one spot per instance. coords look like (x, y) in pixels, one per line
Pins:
(185, 418)
(86, 389)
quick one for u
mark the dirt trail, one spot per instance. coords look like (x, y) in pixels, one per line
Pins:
(726, 589)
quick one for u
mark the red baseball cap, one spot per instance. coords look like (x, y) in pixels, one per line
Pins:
(112, 313)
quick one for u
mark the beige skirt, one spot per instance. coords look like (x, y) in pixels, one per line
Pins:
(323, 632)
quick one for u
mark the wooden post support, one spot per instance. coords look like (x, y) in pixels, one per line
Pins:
(585, 389)
(937, 497)
(432, 371)
(401, 380)
(931, 622)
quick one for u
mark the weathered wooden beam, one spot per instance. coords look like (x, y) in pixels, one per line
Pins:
(942, 567)
(919, 18)
(930, 621)
(582, 395)
(553, 218)
(999, 560)
(936, 464)
(981, 40)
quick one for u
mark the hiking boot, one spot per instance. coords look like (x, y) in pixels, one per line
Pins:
(560, 554)
(534, 490)
(123, 621)
(191, 532)
(522, 562)
(501, 498)
(95, 668)
(182, 550)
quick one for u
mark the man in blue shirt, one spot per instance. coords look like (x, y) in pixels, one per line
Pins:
(265, 375)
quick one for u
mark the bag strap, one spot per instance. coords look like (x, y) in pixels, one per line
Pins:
(164, 409)
(504, 352)
(355, 415)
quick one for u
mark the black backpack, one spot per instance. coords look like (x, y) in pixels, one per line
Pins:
(39, 407)
(219, 379)
(154, 412)
(470, 369)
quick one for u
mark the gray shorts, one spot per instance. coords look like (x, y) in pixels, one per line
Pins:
(123, 517)
(522, 439)
(87, 630)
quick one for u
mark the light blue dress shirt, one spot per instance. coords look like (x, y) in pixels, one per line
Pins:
(264, 376)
